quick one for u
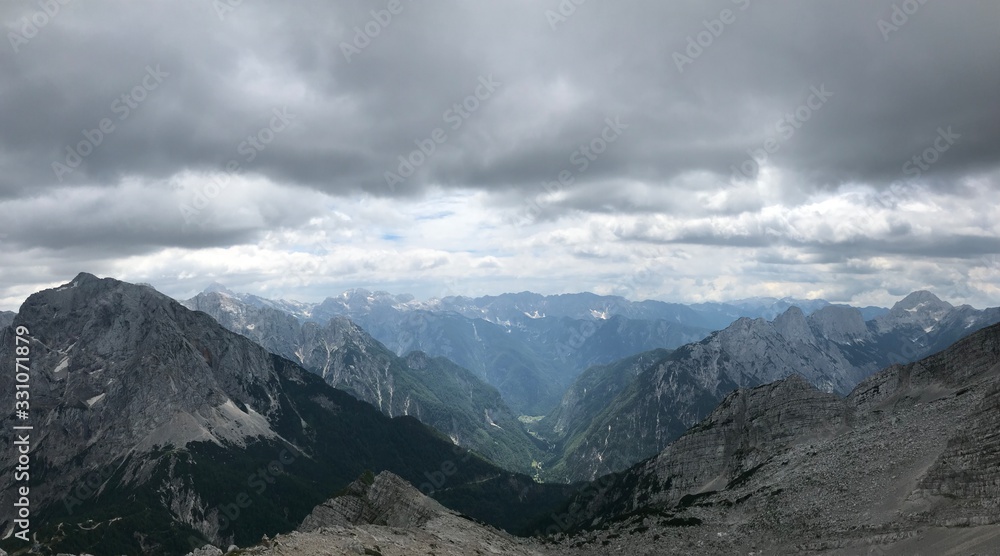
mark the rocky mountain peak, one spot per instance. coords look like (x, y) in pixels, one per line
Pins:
(384, 499)
(919, 309)
(747, 323)
(83, 278)
(921, 300)
(792, 325)
(7, 318)
(356, 293)
(216, 287)
(99, 336)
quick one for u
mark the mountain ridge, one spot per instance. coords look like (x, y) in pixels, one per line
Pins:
(168, 416)
(833, 348)
(776, 466)
(438, 392)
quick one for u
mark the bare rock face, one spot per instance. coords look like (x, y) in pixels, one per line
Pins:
(908, 463)
(207, 550)
(682, 389)
(793, 327)
(839, 324)
(387, 516)
(120, 369)
(833, 348)
(385, 499)
(920, 308)
(728, 446)
(967, 472)
(741, 433)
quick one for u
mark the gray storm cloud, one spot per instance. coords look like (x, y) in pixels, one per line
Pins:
(115, 112)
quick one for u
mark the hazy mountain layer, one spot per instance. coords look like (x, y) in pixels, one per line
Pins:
(530, 359)
(434, 390)
(530, 346)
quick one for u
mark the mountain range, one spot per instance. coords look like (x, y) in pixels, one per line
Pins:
(528, 346)
(615, 413)
(433, 389)
(156, 429)
(834, 349)
(529, 356)
(907, 463)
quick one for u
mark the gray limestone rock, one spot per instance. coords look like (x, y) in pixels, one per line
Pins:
(908, 462)
(384, 499)
(207, 550)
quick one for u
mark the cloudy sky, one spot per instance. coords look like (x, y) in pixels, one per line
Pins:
(685, 151)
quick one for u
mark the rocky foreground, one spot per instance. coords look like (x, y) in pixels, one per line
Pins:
(908, 463)
(388, 517)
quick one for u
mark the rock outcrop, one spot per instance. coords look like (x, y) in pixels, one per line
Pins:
(384, 515)
(385, 499)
